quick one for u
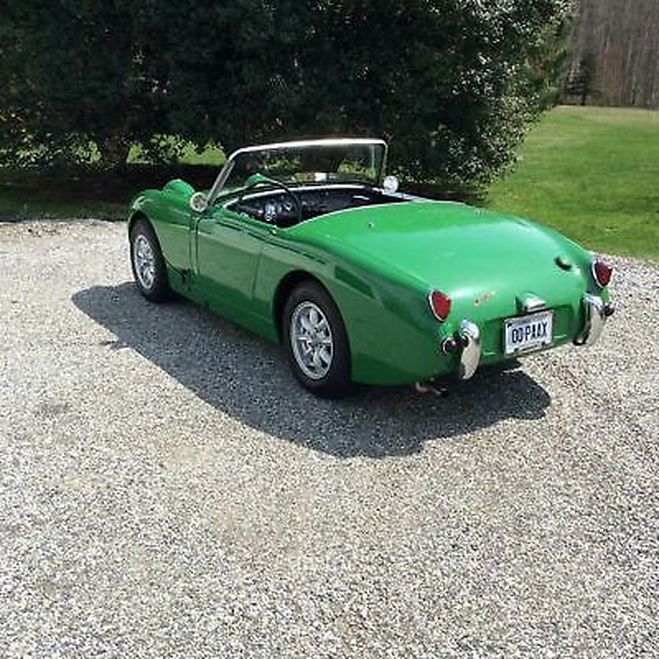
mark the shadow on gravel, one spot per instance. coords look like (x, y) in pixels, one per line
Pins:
(248, 379)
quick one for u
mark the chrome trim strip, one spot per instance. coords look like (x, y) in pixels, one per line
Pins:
(300, 144)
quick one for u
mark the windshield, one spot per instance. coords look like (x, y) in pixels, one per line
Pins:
(339, 161)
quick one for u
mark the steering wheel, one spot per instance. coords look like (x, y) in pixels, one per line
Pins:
(258, 179)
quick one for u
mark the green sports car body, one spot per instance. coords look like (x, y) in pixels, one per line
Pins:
(418, 289)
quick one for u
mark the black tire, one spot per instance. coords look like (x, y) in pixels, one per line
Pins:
(336, 382)
(159, 290)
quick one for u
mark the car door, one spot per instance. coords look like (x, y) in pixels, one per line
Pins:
(228, 248)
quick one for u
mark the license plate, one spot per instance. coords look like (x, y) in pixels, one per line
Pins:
(529, 332)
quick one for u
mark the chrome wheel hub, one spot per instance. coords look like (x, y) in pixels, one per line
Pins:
(311, 340)
(145, 261)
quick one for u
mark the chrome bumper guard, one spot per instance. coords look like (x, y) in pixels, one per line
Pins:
(471, 350)
(595, 311)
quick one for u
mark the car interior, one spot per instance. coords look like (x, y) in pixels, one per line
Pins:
(286, 208)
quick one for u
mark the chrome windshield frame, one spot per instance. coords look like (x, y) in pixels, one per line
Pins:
(225, 172)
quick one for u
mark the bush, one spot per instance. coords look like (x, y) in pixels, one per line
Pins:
(450, 84)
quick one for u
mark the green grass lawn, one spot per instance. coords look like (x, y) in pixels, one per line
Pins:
(593, 174)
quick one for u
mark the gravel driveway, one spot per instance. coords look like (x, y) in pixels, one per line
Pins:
(166, 489)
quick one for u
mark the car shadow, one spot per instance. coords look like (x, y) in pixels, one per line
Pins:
(248, 379)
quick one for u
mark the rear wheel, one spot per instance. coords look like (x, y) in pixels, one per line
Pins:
(148, 263)
(316, 341)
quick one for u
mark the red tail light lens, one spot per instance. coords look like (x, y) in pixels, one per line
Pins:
(440, 305)
(602, 273)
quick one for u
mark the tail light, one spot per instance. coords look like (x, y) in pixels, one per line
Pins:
(602, 273)
(440, 305)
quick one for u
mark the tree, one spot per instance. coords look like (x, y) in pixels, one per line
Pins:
(549, 63)
(72, 77)
(451, 84)
(447, 83)
(582, 83)
(623, 37)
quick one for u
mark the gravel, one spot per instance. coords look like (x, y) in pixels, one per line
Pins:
(166, 488)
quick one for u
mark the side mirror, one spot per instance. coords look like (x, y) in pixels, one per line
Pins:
(198, 202)
(390, 184)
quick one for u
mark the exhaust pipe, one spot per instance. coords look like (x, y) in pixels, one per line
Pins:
(430, 388)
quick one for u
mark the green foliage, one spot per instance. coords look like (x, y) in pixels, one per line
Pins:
(548, 65)
(446, 83)
(72, 82)
(451, 84)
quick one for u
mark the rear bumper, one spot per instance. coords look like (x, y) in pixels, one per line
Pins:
(466, 342)
(471, 351)
(595, 314)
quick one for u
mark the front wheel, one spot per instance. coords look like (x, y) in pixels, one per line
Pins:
(148, 264)
(316, 341)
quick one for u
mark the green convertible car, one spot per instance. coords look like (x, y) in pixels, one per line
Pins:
(308, 243)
